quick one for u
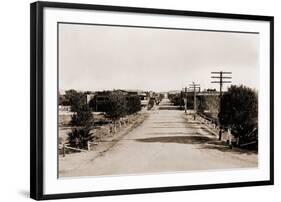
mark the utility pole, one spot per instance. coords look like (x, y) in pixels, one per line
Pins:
(185, 99)
(221, 81)
(194, 87)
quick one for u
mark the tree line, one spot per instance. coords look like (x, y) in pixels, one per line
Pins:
(237, 110)
(118, 104)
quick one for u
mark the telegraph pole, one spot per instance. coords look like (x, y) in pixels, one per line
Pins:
(221, 81)
(185, 99)
(194, 87)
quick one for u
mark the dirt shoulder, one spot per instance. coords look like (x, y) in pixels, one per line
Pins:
(105, 143)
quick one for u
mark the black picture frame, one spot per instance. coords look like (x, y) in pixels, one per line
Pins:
(36, 98)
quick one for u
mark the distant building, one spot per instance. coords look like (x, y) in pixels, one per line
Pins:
(64, 108)
(99, 101)
(144, 99)
(90, 96)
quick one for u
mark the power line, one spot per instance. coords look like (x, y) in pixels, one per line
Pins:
(185, 99)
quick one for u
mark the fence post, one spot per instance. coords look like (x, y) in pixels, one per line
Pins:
(238, 141)
(63, 150)
(108, 131)
(89, 145)
(229, 137)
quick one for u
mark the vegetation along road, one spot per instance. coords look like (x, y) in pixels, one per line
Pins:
(168, 140)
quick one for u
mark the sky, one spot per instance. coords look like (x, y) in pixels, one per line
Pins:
(95, 57)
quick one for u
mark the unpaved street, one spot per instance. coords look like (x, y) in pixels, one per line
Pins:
(166, 141)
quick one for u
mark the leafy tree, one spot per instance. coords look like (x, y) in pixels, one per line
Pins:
(81, 134)
(202, 106)
(133, 104)
(75, 99)
(210, 103)
(63, 101)
(151, 103)
(176, 99)
(82, 117)
(83, 120)
(113, 101)
(239, 111)
(117, 105)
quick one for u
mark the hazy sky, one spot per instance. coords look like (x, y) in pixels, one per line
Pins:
(105, 57)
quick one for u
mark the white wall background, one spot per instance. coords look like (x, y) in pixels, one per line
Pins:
(14, 102)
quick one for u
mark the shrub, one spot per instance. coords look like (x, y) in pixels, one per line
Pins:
(210, 103)
(117, 105)
(133, 104)
(83, 117)
(79, 137)
(150, 103)
(239, 111)
(75, 99)
(176, 99)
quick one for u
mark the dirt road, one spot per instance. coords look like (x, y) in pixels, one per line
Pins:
(167, 141)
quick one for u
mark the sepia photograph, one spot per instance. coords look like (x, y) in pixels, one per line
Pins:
(141, 100)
